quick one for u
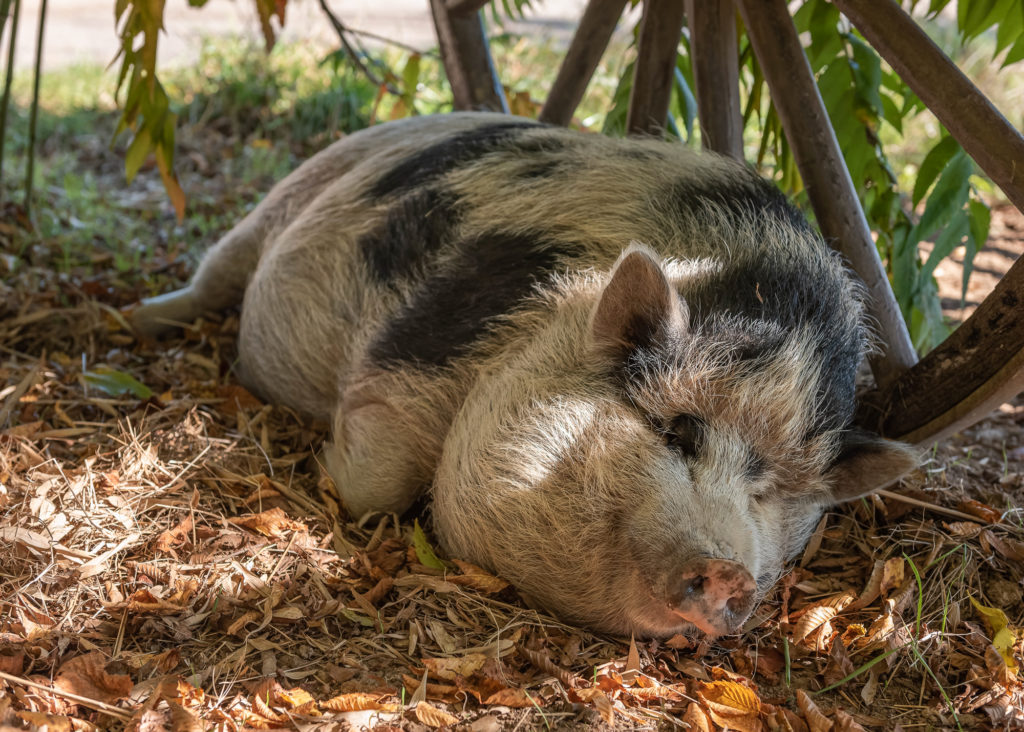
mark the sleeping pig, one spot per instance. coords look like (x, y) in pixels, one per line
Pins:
(622, 371)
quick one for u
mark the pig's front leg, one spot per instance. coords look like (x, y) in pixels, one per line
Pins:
(385, 446)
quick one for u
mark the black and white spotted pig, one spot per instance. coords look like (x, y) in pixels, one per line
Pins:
(623, 371)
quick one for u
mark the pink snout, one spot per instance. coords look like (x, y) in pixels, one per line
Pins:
(716, 595)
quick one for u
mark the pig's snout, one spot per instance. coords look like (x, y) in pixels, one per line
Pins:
(716, 595)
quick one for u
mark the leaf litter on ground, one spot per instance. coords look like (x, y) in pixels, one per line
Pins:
(174, 557)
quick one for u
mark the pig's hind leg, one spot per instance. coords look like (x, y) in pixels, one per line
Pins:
(218, 283)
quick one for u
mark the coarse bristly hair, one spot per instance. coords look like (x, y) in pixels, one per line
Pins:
(603, 358)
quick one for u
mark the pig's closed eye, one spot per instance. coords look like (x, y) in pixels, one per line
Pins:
(685, 435)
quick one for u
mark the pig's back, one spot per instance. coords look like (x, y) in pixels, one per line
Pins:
(407, 260)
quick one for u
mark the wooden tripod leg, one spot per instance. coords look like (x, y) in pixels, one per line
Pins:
(467, 60)
(660, 28)
(588, 44)
(824, 172)
(716, 74)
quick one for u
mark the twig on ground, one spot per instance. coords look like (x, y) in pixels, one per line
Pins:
(85, 701)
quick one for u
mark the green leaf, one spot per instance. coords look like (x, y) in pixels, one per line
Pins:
(867, 72)
(116, 382)
(974, 16)
(424, 552)
(950, 238)
(355, 617)
(1011, 24)
(932, 165)
(936, 6)
(411, 74)
(891, 113)
(137, 152)
(1015, 54)
(981, 218)
(949, 195)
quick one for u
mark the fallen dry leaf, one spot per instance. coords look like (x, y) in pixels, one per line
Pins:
(981, 510)
(476, 578)
(600, 701)
(697, 719)
(816, 719)
(450, 668)
(358, 702)
(273, 523)
(86, 676)
(732, 705)
(434, 717)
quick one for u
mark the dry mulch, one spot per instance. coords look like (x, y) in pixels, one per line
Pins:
(173, 557)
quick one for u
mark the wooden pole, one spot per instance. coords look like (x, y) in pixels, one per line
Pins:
(716, 74)
(588, 45)
(979, 367)
(467, 60)
(969, 116)
(660, 27)
(824, 172)
(465, 7)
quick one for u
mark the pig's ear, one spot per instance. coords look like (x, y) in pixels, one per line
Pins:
(639, 306)
(868, 463)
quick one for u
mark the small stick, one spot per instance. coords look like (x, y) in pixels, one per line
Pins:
(353, 54)
(93, 703)
(924, 504)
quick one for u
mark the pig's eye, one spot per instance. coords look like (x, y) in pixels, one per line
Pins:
(685, 434)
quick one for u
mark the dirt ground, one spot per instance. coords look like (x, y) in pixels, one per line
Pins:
(173, 557)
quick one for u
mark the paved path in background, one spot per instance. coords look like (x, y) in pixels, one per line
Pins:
(82, 31)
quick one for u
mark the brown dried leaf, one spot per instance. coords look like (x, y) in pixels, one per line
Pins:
(697, 719)
(892, 574)
(515, 698)
(732, 705)
(358, 702)
(86, 676)
(12, 659)
(839, 664)
(1011, 549)
(236, 398)
(434, 717)
(476, 578)
(184, 720)
(49, 722)
(980, 510)
(816, 720)
(437, 692)
(846, 723)
(963, 529)
(449, 668)
(600, 701)
(273, 523)
(174, 538)
(814, 619)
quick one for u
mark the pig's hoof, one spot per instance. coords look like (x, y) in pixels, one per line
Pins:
(160, 315)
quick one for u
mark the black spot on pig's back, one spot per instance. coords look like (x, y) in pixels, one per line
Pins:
(434, 161)
(744, 195)
(413, 229)
(488, 276)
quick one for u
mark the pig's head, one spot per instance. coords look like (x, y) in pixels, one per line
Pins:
(640, 460)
